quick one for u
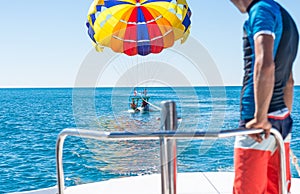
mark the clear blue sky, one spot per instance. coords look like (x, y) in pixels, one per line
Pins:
(43, 43)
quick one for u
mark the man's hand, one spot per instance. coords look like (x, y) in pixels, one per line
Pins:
(262, 124)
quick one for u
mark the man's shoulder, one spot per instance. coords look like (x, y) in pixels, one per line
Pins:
(265, 6)
(264, 14)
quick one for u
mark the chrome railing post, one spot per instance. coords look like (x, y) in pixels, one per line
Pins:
(59, 164)
(168, 148)
(282, 180)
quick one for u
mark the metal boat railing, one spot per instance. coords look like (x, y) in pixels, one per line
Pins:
(167, 137)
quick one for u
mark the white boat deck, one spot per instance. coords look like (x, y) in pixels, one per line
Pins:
(187, 183)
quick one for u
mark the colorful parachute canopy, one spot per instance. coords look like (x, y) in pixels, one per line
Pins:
(138, 26)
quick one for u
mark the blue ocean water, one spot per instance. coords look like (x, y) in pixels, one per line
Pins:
(30, 120)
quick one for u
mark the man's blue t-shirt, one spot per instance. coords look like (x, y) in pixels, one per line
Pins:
(268, 17)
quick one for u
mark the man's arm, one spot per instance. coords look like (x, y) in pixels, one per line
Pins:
(289, 92)
(264, 78)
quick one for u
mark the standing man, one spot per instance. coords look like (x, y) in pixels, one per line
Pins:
(270, 48)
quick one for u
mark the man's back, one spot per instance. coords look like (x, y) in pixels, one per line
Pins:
(268, 17)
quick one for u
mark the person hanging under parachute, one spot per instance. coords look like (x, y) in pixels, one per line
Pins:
(138, 27)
